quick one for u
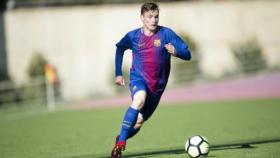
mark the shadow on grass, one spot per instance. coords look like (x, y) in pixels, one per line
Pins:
(180, 150)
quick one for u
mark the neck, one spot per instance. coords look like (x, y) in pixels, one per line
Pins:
(148, 32)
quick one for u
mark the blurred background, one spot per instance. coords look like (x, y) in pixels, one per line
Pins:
(58, 55)
(61, 52)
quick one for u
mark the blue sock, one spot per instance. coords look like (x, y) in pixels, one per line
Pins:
(132, 132)
(129, 121)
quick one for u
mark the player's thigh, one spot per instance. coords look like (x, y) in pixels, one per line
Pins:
(138, 93)
(139, 99)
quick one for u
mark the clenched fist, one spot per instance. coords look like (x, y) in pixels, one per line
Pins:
(120, 81)
(170, 49)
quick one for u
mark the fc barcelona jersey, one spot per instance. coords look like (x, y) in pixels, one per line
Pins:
(150, 59)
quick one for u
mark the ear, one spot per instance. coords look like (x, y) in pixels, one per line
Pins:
(142, 17)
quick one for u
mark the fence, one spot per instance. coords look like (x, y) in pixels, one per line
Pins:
(36, 92)
(39, 92)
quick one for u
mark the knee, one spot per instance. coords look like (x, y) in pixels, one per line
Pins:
(138, 103)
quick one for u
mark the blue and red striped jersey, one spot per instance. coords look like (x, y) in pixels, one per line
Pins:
(151, 61)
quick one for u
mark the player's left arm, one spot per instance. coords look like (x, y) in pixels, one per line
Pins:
(177, 47)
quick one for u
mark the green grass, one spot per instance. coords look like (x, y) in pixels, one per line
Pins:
(90, 133)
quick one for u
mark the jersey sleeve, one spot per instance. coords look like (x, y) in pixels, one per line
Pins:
(182, 49)
(122, 45)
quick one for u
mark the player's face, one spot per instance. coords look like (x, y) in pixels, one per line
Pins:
(150, 19)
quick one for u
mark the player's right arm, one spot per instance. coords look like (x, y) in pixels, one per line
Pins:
(120, 81)
(118, 66)
(122, 45)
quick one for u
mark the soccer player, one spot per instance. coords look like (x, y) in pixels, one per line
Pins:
(152, 47)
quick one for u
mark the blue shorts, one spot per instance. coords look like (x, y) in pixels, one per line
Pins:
(152, 99)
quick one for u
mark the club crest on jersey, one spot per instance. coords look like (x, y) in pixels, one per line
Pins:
(157, 42)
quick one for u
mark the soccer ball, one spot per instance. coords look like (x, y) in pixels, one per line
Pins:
(197, 147)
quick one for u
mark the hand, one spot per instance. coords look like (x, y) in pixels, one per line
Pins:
(120, 81)
(170, 49)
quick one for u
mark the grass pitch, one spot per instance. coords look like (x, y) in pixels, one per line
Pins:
(234, 129)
